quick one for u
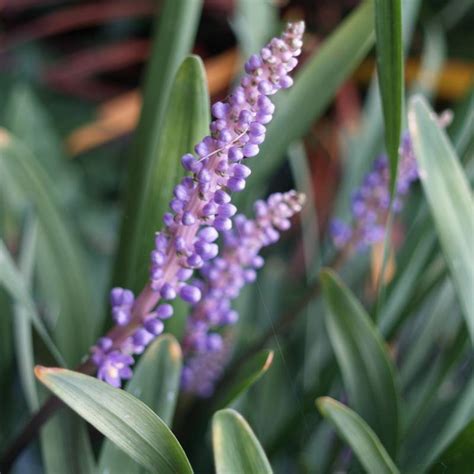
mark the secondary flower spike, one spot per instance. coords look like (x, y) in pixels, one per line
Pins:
(371, 201)
(221, 282)
(200, 208)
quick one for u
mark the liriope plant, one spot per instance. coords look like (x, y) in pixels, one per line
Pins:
(386, 359)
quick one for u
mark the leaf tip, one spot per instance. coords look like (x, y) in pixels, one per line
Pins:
(41, 372)
(268, 361)
(5, 138)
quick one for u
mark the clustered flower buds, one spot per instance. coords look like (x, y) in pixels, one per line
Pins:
(221, 282)
(371, 202)
(200, 208)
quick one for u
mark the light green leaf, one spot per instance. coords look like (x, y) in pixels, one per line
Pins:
(14, 283)
(173, 39)
(389, 48)
(58, 249)
(319, 79)
(186, 122)
(122, 418)
(22, 322)
(236, 448)
(155, 382)
(248, 374)
(367, 370)
(449, 198)
(65, 445)
(458, 456)
(358, 435)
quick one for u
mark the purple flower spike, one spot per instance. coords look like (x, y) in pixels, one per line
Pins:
(200, 208)
(222, 280)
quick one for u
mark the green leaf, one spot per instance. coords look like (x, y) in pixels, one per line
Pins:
(254, 23)
(236, 448)
(367, 370)
(58, 249)
(389, 48)
(155, 382)
(122, 418)
(186, 122)
(319, 79)
(367, 142)
(358, 435)
(247, 375)
(449, 198)
(22, 322)
(65, 445)
(13, 282)
(173, 39)
(438, 431)
(457, 457)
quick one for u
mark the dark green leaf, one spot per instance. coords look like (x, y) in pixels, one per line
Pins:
(236, 448)
(367, 370)
(173, 39)
(458, 456)
(58, 249)
(449, 197)
(389, 48)
(14, 283)
(358, 435)
(248, 374)
(186, 122)
(22, 323)
(125, 420)
(319, 79)
(155, 382)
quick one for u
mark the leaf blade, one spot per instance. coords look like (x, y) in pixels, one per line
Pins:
(349, 43)
(248, 374)
(129, 423)
(236, 448)
(367, 371)
(175, 30)
(389, 50)
(355, 431)
(450, 200)
(186, 122)
(155, 382)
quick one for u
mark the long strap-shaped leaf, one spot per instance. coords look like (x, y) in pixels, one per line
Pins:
(12, 280)
(156, 383)
(450, 200)
(186, 122)
(319, 80)
(174, 36)
(122, 418)
(389, 47)
(365, 365)
(358, 435)
(236, 448)
(74, 328)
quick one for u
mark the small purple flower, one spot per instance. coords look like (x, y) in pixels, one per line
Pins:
(115, 367)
